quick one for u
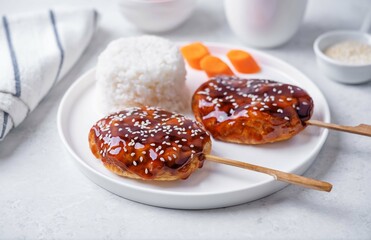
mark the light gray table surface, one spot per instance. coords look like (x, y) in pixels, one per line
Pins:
(44, 196)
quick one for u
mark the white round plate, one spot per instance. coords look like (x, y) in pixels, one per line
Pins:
(214, 185)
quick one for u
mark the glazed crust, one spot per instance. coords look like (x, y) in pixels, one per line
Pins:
(150, 144)
(251, 111)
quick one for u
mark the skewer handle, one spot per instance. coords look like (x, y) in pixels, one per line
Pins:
(362, 129)
(278, 175)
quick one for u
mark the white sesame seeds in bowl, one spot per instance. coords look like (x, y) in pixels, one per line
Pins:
(353, 71)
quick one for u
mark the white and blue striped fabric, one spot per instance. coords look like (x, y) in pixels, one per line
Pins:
(36, 50)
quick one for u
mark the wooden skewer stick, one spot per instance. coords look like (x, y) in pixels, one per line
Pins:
(361, 129)
(278, 175)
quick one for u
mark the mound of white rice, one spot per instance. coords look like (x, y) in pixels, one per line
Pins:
(138, 71)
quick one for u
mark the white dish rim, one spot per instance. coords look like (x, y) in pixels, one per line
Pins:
(315, 151)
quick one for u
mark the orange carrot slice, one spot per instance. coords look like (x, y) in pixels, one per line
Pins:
(243, 62)
(214, 66)
(193, 53)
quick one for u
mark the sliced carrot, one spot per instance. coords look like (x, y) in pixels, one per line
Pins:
(243, 62)
(193, 53)
(214, 66)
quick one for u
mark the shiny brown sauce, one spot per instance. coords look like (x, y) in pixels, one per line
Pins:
(148, 140)
(267, 107)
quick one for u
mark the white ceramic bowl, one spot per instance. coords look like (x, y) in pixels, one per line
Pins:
(340, 71)
(156, 15)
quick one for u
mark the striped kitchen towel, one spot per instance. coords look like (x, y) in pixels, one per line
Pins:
(36, 51)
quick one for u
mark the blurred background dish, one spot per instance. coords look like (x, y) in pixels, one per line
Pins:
(157, 15)
(349, 59)
(264, 23)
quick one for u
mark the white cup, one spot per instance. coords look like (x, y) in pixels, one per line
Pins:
(265, 23)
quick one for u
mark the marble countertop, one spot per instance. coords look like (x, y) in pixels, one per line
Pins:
(44, 195)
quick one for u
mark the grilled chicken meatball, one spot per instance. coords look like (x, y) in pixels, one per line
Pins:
(149, 143)
(251, 111)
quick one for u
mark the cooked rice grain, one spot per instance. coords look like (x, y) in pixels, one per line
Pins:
(138, 71)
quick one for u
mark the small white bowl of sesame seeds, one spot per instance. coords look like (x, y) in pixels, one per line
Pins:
(345, 56)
